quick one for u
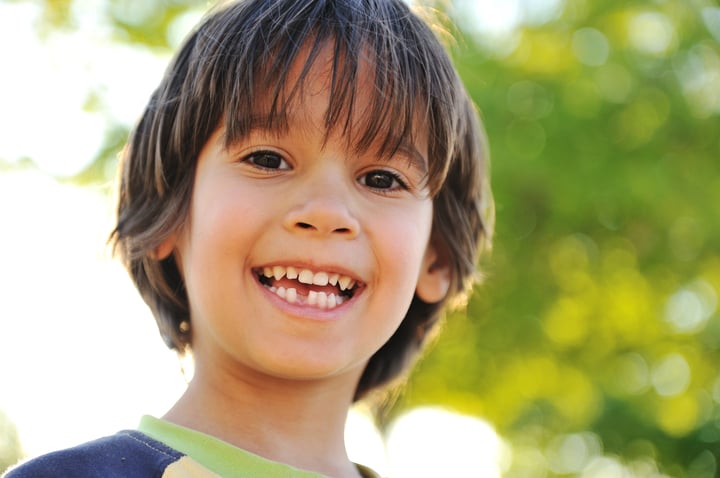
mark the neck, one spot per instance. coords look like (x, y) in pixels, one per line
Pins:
(300, 423)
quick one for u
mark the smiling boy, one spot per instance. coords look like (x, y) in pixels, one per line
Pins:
(303, 195)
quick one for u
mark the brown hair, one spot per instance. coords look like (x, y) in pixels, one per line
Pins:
(234, 64)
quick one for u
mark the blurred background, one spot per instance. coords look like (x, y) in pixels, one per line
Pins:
(591, 349)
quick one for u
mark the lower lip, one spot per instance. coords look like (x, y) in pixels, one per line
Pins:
(308, 312)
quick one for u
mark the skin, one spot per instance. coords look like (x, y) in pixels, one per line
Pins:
(273, 377)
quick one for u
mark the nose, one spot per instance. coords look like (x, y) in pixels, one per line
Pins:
(323, 210)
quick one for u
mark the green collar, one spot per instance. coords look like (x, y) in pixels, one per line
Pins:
(221, 457)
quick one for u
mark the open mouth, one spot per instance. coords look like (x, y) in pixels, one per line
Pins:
(325, 290)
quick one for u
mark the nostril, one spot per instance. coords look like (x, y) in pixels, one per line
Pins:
(308, 226)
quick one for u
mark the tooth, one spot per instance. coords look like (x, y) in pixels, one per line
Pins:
(320, 278)
(279, 272)
(333, 279)
(312, 298)
(291, 295)
(339, 299)
(344, 282)
(331, 301)
(322, 300)
(351, 284)
(305, 276)
(267, 272)
(281, 292)
(292, 273)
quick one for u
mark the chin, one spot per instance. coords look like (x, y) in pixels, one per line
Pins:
(312, 368)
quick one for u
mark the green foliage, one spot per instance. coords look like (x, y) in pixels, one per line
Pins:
(599, 313)
(146, 22)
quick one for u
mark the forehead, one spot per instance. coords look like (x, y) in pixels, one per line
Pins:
(336, 93)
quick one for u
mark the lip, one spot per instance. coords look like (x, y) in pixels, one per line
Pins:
(304, 311)
(309, 312)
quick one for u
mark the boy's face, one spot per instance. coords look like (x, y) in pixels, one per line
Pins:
(300, 257)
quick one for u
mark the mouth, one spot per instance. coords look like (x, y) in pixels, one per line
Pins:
(321, 289)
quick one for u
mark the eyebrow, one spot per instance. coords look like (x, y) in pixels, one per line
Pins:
(413, 156)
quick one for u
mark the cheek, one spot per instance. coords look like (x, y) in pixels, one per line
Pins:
(213, 229)
(223, 215)
(404, 240)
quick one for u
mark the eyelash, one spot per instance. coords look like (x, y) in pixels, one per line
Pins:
(255, 155)
(396, 178)
(397, 181)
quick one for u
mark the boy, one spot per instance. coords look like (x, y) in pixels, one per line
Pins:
(303, 195)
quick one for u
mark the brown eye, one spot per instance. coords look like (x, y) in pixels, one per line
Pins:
(381, 180)
(267, 160)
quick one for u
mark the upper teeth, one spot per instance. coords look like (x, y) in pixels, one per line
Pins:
(306, 276)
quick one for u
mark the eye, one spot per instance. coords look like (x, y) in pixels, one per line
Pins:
(266, 160)
(383, 180)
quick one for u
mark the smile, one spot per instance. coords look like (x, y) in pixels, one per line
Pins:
(324, 290)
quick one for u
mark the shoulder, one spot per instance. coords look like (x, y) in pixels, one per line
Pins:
(127, 453)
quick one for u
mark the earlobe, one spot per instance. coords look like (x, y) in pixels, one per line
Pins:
(166, 247)
(434, 281)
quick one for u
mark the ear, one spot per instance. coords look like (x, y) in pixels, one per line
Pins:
(166, 247)
(434, 281)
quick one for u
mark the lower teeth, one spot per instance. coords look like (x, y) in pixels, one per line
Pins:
(319, 299)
